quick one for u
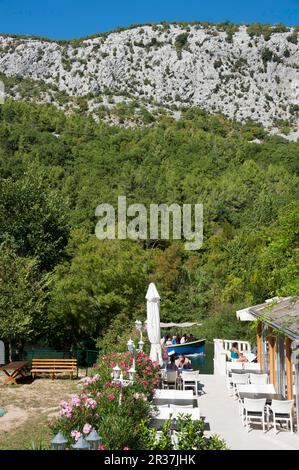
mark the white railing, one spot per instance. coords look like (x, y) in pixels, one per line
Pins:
(243, 346)
(222, 352)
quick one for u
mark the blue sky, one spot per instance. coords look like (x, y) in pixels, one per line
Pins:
(77, 18)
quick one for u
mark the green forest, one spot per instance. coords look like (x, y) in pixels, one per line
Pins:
(61, 286)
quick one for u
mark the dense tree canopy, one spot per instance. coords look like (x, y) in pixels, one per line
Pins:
(23, 295)
(56, 169)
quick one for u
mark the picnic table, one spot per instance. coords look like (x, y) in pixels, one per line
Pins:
(14, 370)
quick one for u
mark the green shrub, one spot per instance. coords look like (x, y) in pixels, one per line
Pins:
(293, 38)
(269, 56)
(181, 42)
(189, 436)
(217, 63)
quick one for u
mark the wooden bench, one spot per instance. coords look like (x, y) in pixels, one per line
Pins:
(53, 367)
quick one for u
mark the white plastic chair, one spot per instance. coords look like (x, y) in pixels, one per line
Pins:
(282, 410)
(250, 356)
(190, 379)
(258, 378)
(229, 367)
(170, 379)
(175, 439)
(238, 379)
(159, 410)
(255, 409)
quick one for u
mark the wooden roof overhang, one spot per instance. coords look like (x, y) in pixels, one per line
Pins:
(281, 315)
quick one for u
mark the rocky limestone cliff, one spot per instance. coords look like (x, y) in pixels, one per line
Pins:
(241, 75)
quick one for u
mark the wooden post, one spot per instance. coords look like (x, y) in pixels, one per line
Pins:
(289, 370)
(272, 356)
(259, 344)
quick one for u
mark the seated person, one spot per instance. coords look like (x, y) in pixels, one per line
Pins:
(172, 365)
(165, 357)
(236, 354)
(183, 362)
(191, 338)
(168, 342)
(174, 340)
(183, 339)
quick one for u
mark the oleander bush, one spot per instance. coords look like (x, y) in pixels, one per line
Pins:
(98, 405)
(146, 376)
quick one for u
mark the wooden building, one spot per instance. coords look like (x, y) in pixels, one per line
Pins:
(277, 330)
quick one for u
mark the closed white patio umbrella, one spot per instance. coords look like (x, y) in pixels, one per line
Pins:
(153, 323)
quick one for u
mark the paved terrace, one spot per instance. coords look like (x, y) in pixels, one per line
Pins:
(221, 413)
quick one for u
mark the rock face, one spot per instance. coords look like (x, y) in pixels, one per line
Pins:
(240, 75)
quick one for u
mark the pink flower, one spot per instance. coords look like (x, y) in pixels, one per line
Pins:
(90, 380)
(126, 448)
(86, 380)
(90, 403)
(65, 409)
(76, 434)
(111, 396)
(87, 428)
(75, 400)
(101, 447)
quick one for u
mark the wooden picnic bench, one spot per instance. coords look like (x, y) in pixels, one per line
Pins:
(14, 370)
(53, 367)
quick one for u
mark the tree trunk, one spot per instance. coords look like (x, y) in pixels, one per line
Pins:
(19, 350)
(9, 352)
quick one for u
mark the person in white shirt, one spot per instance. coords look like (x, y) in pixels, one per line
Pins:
(183, 339)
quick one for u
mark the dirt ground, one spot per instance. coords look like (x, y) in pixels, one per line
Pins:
(29, 406)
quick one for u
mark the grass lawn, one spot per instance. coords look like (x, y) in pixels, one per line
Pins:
(30, 405)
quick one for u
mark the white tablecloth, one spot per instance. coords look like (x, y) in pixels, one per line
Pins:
(165, 394)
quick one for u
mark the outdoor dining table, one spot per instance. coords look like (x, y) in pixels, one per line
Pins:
(164, 413)
(244, 371)
(269, 396)
(170, 396)
(14, 370)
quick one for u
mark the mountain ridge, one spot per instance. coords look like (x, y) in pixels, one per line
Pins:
(243, 72)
